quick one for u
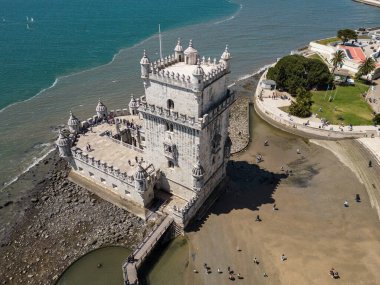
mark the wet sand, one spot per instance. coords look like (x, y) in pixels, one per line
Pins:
(311, 226)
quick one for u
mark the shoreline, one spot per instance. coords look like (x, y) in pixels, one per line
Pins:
(369, 2)
(132, 45)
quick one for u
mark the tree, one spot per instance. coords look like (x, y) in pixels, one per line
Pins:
(294, 71)
(366, 67)
(337, 59)
(376, 119)
(346, 35)
(302, 106)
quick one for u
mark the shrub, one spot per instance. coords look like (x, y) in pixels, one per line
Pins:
(302, 106)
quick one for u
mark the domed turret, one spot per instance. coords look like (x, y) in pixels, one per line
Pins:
(73, 123)
(133, 106)
(178, 51)
(197, 78)
(101, 110)
(225, 58)
(64, 145)
(140, 178)
(198, 174)
(145, 66)
(191, 54)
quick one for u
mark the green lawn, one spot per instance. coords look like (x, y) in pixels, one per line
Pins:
(351, 108)
(327, 41)
(316, 56)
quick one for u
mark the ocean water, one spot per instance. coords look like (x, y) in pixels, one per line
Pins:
(91, 50)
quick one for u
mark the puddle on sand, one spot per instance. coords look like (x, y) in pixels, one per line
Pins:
(86, 271)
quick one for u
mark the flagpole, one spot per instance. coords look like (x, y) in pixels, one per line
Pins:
(159, 36)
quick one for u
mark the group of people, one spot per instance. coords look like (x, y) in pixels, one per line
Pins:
(334, 274)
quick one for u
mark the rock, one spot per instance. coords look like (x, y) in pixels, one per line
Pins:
(44, 198)
(6, 204)
(34, 200)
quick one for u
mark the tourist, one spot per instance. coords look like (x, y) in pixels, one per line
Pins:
(298, 151)
(274, 207)
(357, 198)
(265, 275)
(331, 273)
(370, 163)
(195, 271)
(266, 143)
(219, 271)
(258, 219)
(239, 276)
(255, 261)
(345, 203)
(283, 257)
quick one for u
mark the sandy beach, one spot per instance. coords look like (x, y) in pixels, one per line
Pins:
(311, 227)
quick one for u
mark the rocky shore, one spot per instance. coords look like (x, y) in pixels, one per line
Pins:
(239, 113)
(56, 223)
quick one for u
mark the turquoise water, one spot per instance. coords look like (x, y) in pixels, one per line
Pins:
(69, 37)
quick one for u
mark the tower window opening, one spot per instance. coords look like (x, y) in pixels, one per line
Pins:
(171, 127)
(170, 164)
(166, 127)
(170, 104)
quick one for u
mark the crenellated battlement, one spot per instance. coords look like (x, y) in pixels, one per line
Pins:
(170, 71)
(102, 166)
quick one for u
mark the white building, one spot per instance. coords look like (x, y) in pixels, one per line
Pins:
(174, 139)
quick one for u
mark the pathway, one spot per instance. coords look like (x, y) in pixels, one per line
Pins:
(143, 250)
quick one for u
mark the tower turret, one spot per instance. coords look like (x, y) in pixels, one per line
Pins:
(64, 145)
(191, 54)
(101, 110)
(145, 66)
(197, 78)
(74, 124)
(133, 106)
(140, 179)
(225, 58)
(178, 51)
(198, 174)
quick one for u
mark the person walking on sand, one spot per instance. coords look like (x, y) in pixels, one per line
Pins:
(274, 207)
(283, 257)
(255, 261)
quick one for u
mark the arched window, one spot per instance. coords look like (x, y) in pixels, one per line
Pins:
(171, 127)
(170, 104)
(166, 127)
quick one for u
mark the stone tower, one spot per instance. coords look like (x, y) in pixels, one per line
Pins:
(186, 115)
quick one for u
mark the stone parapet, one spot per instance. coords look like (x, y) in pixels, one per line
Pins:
(102, 166)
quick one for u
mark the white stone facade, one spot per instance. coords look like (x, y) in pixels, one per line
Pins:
(181, 129)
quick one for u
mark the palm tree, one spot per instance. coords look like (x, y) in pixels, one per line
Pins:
(337, 59)
(366, 67)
